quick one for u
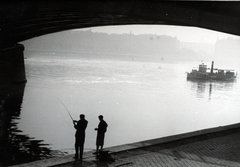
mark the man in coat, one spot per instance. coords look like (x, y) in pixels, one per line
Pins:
(101, 130)
(80, 127)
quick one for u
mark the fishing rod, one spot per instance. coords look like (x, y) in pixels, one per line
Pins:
(66, 109)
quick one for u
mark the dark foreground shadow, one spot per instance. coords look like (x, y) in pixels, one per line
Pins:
(223, 145)
(15, 146)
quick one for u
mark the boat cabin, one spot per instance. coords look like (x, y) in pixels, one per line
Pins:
(202, 68)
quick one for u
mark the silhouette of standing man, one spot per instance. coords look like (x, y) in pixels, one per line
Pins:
(102, 128)
(80, 127)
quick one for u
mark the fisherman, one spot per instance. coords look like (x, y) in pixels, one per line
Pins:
(80, 127)
(101, 130)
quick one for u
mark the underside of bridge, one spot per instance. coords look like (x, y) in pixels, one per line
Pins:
(22, 20)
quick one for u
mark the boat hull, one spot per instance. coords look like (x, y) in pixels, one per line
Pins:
(192, 76)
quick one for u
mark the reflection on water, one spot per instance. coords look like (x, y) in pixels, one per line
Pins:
(212, 87)
(16, 147)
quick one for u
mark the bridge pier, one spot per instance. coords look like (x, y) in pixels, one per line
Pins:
(12, 67)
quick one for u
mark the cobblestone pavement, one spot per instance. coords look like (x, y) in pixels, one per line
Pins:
(221, 149)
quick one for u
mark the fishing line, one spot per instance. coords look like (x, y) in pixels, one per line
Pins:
(66, 108)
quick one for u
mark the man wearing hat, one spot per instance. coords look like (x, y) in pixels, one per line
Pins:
(101, 130)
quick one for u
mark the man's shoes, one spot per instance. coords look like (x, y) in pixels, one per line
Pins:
(95, 152)
(75, 157)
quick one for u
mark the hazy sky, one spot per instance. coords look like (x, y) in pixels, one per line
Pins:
(186, 34)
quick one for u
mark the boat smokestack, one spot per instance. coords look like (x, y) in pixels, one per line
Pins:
(212, 67)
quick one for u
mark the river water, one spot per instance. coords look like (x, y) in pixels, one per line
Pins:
(139, 100)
